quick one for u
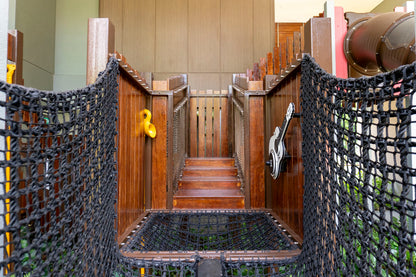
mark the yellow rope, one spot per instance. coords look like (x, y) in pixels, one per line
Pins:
(9, 78)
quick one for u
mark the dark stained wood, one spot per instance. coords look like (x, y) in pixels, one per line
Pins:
(11, 46)
(209, 171)
(256, 146)
(131, 152)
(217, 161)
(159, 150)
(276, 60)
(270, 63)
(15, 54)
(287, 190)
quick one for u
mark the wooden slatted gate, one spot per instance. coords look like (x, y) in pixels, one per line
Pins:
(208, 134)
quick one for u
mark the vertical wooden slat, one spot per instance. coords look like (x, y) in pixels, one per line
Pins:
(217, 124)
(256, 164)
(269, 63)
(289, 46)
(159, 150)
(224, 124)
(276, 60)
(193, 135)
(208, 118)
(201, 124)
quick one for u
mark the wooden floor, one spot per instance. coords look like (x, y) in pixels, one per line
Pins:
(209, 183)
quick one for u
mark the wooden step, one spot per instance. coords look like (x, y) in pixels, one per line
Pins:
(208, 199)
(209, 162)
(209, 171)
(210, 182)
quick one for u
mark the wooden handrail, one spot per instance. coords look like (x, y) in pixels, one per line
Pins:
(15, 54)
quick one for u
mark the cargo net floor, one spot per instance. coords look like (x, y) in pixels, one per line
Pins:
(235, 243)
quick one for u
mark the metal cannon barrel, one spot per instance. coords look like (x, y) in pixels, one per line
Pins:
(381, 43)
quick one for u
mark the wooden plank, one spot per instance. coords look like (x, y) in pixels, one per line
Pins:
(201, 124)
(263, 68)
(193, 132)
(209, 131)
(270, 63)
(256, 72)
(256, 141)
(11, 46)
(204, 36)
(276, 60)
(224, 125)
(160, 85)
(297, 45)
(290, 54)
(217, 125)
(255, 85)
(159, 150)
(171, 36)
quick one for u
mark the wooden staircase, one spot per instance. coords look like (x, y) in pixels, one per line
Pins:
(209, 183)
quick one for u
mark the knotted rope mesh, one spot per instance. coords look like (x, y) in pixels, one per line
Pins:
(359, 154)
(59, 181)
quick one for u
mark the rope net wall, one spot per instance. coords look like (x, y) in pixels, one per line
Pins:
(58, 179)
(58, 187)
(359, 154)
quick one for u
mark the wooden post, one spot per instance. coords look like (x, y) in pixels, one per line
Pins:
(317, 34)
(15, 54)
(100, 44)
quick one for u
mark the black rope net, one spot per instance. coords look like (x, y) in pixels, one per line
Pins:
(208, 230)
(359, 154)
(58, 187)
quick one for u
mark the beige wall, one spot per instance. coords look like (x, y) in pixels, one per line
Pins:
(209, 40)
(71, 42)
(36, 20)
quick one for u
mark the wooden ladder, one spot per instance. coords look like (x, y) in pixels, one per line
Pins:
(209, 183)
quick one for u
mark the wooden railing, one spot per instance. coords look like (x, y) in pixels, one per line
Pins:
(134, 156)
(170, 116)
(209, 120)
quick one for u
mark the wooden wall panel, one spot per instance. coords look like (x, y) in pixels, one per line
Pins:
(172, 36)
(236, 35)
(139, 34)
(204, 36)
(287, 190)
(263, 28)
(114, 10)
(204, 81)
(131, 155)
(192, 36)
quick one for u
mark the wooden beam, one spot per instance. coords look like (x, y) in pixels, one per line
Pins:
(100, 44)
